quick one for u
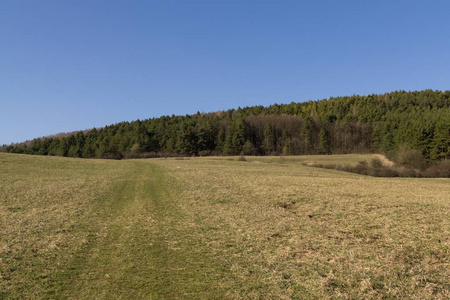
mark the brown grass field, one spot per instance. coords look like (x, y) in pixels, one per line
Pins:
(219, 228)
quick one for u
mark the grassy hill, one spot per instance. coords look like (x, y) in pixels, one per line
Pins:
(218, 227)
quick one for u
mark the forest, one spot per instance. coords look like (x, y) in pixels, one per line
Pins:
(391, 123)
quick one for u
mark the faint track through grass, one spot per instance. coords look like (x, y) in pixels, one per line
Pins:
(142, 248)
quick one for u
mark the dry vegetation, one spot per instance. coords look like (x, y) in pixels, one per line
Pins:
(378, 165)
(259, 227)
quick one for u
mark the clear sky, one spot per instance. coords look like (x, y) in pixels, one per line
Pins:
(72, 65)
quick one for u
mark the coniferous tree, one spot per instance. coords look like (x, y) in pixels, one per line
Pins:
(323, 146)
(220, 141)
(441, 141)
(238, 138)
(269, 140)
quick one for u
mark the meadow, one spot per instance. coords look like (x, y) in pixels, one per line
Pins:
(219, 228)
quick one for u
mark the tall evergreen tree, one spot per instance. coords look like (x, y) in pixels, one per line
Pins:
(323, 146)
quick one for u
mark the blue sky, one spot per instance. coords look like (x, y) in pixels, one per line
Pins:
(72, 65)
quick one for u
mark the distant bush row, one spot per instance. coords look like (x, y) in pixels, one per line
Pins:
(377, 169)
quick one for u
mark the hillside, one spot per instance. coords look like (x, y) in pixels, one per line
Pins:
(267, 227)
(386, 123)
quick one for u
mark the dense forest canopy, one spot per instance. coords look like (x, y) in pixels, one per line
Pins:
(385, 123)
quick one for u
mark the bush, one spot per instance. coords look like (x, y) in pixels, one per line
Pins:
(249, 149)
(441, 169)
(205, 153)
(387, 172)
(411, 158)
(377, 169)
(376, 163)
(242, 158)
(362, 167)
(406, 172)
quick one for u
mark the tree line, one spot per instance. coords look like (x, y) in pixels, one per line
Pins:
(387, 123)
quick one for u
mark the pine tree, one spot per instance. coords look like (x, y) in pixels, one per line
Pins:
(323, 146)
(269, 141)
(440, 146)
(238, 138)
(228, 142)
(220, 141)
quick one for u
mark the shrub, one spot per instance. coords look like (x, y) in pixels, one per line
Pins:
(205, 153)
(249, 149)
(376, 163)
(362, 167)
(442, 169)
(377, 169)
(242, 158)
(411, 158)
(407, 172)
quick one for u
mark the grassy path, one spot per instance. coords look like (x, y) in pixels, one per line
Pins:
(99, 230)
(143, 248)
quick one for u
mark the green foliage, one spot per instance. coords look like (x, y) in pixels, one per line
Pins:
(249, 149)
(323, 146)
(440, 144)
(373, 123)
(269, 140)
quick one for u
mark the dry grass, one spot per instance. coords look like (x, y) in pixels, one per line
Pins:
(341, 159)
(289, 231)
(266, 227)
(44, 209)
